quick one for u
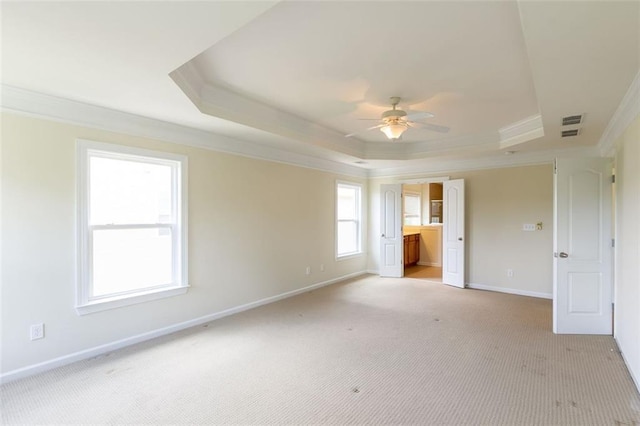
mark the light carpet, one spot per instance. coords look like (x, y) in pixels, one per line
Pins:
(371, 350)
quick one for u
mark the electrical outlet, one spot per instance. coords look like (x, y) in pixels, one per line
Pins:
(510, 273)
(308, 271)
(529, 227)
(37, 331)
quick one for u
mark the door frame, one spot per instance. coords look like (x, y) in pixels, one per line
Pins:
(421, 181)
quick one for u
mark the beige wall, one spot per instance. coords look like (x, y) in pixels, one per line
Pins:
(627, 271)
(431, 245)
(498, 202)
(254, 226)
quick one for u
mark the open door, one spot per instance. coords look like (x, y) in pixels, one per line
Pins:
(391, 242)
(453, 233)
(582, 290)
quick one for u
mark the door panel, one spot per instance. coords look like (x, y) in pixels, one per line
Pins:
(585, 197)
(391, 241)
(585, 293)
(582, 247)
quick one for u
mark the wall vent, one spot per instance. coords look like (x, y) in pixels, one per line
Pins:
(572, 119)
(568, 133)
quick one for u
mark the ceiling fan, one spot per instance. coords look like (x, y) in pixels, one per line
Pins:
(395, 121)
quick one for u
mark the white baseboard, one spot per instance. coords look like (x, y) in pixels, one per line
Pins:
(636, 380)
(510, 291)
(118, 344)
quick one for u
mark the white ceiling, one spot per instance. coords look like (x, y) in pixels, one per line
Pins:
(296, 76)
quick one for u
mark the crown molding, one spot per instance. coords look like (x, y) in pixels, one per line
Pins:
(627, 111)
(456, 145)
(521, 131)
(434, 148)
(54, 108)
(68, 111)
(190, 81)
(438, 166)
(220, 102)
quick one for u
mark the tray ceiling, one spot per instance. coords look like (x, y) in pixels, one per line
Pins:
(298, 76)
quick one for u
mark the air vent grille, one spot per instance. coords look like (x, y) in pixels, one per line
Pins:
(569, 133)
(571, 120)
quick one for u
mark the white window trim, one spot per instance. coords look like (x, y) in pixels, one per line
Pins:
(85, 304)
(359, 251)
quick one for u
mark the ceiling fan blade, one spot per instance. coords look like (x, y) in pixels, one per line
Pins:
(419, 115)
(429, 126)
(365, 130)
(369, 119)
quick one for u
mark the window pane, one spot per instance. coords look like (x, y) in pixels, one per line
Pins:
(347, 237)
(130, 259)
(412, 209)
(412, 220)
(411, 204)
(129, 192)
(347, 203)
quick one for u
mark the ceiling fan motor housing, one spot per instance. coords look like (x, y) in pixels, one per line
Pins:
(393, 115)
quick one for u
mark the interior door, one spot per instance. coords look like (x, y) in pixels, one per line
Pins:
(582, 290)
(391, 240)
(453, 233)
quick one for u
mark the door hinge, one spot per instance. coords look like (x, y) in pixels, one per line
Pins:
(555, 166)
(613, 178)
(613, 242)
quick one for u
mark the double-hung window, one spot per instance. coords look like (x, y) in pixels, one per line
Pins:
(412, 210)
(348, 219)
(132, 225)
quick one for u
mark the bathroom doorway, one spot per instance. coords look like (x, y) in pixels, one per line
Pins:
(422, 230)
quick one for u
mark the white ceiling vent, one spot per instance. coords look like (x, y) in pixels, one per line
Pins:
(569, 133)
(572, 120)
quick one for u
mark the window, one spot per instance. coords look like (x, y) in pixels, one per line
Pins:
(348, 219)
(412, 202)
(132, 226)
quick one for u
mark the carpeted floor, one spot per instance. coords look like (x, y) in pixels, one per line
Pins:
(372, 350)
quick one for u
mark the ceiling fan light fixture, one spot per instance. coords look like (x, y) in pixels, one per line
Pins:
(393, 131)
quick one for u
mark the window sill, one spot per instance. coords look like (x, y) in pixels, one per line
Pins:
(349, 256)
(127, 300)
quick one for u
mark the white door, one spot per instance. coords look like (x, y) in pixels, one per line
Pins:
(453, 233)
(391, 240)
(582, 291)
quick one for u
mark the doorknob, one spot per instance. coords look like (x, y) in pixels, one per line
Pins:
(459, 238)
(382, 235)
(563, 255)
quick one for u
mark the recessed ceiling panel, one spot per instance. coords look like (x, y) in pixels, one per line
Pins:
(334, 63)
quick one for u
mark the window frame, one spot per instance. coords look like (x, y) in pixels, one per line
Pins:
(85, 150)
(357, 220)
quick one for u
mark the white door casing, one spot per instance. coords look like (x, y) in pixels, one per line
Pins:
(453, 238)
(582, 286)
(391, 239)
